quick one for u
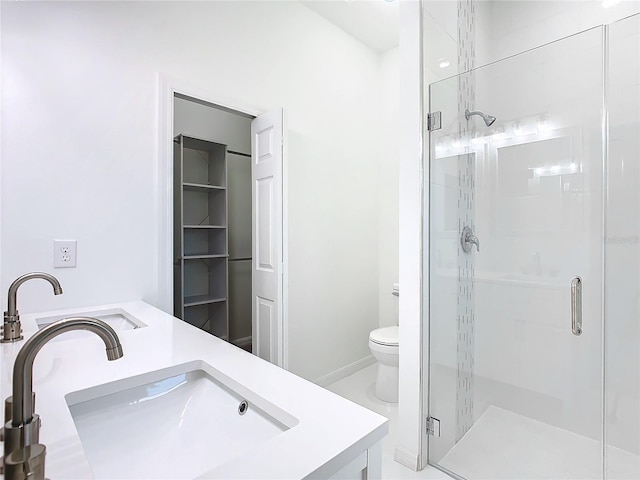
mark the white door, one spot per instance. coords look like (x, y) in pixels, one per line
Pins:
(266, 179)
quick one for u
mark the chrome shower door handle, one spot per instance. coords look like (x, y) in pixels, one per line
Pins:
(576, 306)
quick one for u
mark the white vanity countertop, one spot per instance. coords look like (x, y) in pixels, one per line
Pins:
(331, 430)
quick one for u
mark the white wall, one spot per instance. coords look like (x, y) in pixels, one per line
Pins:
(79, 159)
(388, 183)
(410, 242)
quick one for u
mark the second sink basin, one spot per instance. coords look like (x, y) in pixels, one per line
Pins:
(179, 422)
(116, 318)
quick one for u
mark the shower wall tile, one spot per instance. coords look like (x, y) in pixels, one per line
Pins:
(444, 350)
(444, 220)
(529, 219)
(439, 40)
(445, 171)
(466, 202)
(513, 27)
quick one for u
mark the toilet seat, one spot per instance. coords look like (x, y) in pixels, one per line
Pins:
(385, 336)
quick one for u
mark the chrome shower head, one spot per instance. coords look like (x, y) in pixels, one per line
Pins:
(488, 119)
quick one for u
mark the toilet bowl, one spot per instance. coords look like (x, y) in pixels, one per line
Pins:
(383, 343)
(384, 346)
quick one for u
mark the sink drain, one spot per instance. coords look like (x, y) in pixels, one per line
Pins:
(243, 407)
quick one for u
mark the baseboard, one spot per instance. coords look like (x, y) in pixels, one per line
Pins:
(345, 371)
(406, 458)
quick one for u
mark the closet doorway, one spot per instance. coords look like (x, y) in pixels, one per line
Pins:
(213, 242)
(226, 219)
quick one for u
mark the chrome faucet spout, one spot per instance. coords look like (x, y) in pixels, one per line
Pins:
(22, 451)
(11, 329)
(13, 289)
(22, 408)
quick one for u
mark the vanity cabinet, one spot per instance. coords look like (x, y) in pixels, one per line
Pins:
(200, 234)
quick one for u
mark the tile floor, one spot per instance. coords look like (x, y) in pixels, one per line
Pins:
(359, 389)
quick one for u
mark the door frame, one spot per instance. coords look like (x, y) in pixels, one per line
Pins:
(167, 88)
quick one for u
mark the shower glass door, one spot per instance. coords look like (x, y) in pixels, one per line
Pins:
(515, 384)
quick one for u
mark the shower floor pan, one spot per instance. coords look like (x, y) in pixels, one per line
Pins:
(506, 445)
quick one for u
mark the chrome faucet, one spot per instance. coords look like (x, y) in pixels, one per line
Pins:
(23, 454)
(12, 329)
(467, 238)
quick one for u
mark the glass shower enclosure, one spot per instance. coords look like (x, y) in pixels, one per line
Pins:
(533, 267)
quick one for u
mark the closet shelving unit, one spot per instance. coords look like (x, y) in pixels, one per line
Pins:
(200, 234)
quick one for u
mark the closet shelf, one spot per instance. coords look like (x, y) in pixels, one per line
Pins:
(196, 256)
(204, 226)
(199, 187)
(202, 300)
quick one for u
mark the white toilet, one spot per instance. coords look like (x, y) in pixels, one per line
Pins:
(383, 343)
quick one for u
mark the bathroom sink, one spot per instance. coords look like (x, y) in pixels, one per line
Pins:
(178, 422)
(117, 318)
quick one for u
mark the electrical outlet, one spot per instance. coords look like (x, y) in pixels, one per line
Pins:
(64, 253)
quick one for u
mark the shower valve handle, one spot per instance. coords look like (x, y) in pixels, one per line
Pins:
(467, 239)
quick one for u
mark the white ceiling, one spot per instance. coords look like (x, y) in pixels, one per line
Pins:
(374, 22)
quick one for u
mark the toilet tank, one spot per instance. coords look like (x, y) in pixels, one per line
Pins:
(396, 303)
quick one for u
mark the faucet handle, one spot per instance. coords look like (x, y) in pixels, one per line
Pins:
(16, 436)
(467, 238)
(12, 329)
(25, 463)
